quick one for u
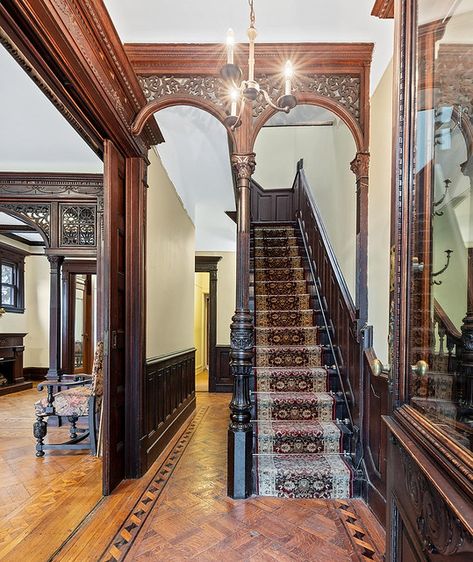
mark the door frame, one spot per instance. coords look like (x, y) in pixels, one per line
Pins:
(209, 264)
(69, 269)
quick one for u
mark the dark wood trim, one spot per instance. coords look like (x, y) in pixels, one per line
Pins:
(383, 9)
(271, 205)
(51, 185)
(136, 193)
(223, 379)
(69, 269)
(210, 264)
(16, 258)
(35, 373)
(169, 398)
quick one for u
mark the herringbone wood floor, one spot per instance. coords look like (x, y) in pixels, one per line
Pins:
(193, 519)
(41, 500)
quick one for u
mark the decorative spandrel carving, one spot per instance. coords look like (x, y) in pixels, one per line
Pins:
(454, 77)
(360, 165)
(78, 225)
(40, 214)
(208, 88)
(342, 88)
(441, 532)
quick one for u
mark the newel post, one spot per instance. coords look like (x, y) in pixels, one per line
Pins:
(360, 167)
(240, 431)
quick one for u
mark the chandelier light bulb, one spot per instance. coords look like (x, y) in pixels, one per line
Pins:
(288, 73)
(234, 96)
(230, 45)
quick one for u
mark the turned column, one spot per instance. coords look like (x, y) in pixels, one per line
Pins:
(240, 431)
(54, 371)
(360, 166)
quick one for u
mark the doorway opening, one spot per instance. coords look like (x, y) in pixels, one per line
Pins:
(201, 330)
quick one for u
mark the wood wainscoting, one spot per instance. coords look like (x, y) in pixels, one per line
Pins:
(169, 400)
(223, 380)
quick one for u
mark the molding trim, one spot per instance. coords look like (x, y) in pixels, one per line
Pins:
(383, 9)
(51, 185)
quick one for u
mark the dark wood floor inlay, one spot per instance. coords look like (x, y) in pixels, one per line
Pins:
(123, 540)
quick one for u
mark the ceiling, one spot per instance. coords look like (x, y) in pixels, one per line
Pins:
(14, 228)
(192, 21)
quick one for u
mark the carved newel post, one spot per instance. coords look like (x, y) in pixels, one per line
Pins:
(240, 431)
(360, 167)
(54, 371)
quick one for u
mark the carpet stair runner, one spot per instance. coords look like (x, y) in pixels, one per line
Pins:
(299, 442)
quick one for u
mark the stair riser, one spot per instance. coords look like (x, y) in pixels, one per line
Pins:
(282, 302)
(278, 263)
(283, 319)
(293, 410)
(297, 445)
(277, 252)
(278, 358)
(284, 382)
(276, 242)
(282, 274)
(280, 287)
(286, 336)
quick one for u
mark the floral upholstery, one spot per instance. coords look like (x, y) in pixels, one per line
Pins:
(71, 402)
(75, 401)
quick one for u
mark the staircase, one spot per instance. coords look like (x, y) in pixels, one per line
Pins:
(300, 438)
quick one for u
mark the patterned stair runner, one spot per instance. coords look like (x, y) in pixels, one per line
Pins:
(298, 443)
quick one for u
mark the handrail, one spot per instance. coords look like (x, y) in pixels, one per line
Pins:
(442, 316)
(328, 245)
(324, 317)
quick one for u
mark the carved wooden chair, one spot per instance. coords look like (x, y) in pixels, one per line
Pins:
(81, 398)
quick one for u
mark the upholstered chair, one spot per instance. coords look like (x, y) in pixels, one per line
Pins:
(76, 399)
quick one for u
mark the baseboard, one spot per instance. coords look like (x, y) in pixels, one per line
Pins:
(35, 373)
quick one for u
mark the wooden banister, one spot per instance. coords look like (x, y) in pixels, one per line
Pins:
(442, 317)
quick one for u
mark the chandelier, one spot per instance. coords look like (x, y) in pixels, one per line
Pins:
(247, 91)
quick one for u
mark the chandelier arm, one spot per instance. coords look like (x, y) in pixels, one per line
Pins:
(269, 101)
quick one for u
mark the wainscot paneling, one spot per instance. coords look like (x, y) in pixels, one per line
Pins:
(169, 400)
(222, 381)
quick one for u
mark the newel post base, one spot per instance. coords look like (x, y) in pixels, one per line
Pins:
(240, 430)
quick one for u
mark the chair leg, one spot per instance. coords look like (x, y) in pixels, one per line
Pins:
(73, 428)
(40, 428)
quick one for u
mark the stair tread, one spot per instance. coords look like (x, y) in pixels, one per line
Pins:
(298, 396)
(297, 427)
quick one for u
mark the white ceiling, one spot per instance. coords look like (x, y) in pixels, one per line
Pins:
(34, 135)
(195, 21)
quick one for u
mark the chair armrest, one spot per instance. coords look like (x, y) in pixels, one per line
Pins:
(50, 384)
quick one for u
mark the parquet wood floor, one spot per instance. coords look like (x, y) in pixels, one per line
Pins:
(191, 518)
(41, 500)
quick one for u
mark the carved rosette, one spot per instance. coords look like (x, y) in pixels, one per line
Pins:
(441, 532)
(244, 165)
(360, 165)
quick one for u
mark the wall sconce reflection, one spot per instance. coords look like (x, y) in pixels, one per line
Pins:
(444, 268)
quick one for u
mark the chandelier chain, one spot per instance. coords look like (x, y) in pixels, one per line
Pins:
(252, 13)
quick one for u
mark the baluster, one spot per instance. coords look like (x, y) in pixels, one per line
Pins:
(240, 431)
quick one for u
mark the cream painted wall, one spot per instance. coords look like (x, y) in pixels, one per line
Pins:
(35, 320)
(379, 215)
(226, 286)
(170, 267)
(201, 289)
(327, 152)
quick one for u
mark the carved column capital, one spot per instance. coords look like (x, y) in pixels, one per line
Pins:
(360, 165)
(55, 260)
(244, 165)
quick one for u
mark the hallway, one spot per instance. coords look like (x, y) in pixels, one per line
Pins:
(184, 513)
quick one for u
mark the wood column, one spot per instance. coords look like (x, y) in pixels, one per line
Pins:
(360, 167)
(240, 431)
(54, 371)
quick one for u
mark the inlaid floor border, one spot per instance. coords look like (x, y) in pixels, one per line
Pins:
(359, 536)
(119, 546)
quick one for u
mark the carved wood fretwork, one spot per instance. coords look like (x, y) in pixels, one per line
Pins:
(383, 9)
(64, 208)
